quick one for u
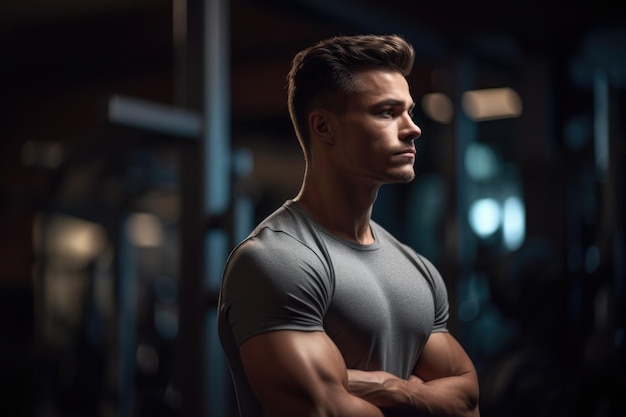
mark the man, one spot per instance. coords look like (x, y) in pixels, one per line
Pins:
(322, 312)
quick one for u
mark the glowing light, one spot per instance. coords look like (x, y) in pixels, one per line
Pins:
(485, 217)
(73, 240)
(491, 104)
(513, 223)
(438, 107)
(145, 230)
(481, 161)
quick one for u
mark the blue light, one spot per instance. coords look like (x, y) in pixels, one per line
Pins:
(485, 217)
(513, 223)
(481, 161)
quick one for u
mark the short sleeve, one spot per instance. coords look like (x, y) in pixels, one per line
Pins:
(274, 282)
(440, 294)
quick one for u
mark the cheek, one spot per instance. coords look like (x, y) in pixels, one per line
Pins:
(368, 155)
(361, 145)
(362, 142)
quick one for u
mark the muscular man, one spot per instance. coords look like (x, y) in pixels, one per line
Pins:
(322, 312)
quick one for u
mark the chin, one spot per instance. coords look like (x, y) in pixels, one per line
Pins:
(402, 177)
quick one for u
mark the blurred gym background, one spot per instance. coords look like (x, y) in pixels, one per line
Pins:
(140, 139)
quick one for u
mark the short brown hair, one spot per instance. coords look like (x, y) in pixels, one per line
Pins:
(323, 74)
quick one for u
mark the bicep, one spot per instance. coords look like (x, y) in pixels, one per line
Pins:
(449, 373)
(300, 373)
(441, 357)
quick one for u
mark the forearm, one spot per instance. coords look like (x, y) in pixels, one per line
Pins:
(301, 374)
(449, 396)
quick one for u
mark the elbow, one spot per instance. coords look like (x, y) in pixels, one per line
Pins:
(467, 405)
(466, 409)
(471, 408)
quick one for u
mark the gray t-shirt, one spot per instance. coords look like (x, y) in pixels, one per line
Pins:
(378, 303)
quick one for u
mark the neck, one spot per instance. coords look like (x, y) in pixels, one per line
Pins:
(342, 208)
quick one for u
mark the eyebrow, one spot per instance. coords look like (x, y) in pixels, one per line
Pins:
(393, 103)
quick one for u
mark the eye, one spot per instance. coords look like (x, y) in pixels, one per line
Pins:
(386, 113)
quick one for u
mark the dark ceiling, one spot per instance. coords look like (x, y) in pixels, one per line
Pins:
(60, 58)
(106, 43)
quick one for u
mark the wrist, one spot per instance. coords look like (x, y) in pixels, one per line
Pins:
(399, 392)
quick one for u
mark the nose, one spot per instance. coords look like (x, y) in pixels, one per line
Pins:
(411, 130)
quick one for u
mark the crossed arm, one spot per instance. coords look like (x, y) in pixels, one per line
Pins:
(303, 374)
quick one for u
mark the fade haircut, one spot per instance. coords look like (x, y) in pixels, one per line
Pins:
(323, 75)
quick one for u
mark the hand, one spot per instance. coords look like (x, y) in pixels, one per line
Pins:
(369, 386)
(377, 387)
(417, 379)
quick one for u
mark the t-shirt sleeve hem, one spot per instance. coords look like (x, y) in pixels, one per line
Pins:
(442, 329)
(293, 327)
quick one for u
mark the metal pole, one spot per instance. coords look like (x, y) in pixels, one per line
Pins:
(127, 319)
(217, 156)
(206, 178)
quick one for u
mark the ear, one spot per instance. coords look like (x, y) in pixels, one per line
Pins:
(321, 126)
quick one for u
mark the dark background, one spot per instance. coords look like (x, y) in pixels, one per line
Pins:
(543, 321)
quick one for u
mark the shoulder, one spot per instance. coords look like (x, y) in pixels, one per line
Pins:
(272, 252)
(285, 233)
(284, 248)
(275, 279)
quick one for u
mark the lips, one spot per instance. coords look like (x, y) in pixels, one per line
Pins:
(408, 151)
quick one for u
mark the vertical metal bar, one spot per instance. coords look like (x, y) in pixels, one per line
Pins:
(215, 371)
(217, 157)
(127, 320)
(206, 181)
(216, 105)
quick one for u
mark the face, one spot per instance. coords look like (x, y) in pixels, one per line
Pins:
(375, 135)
